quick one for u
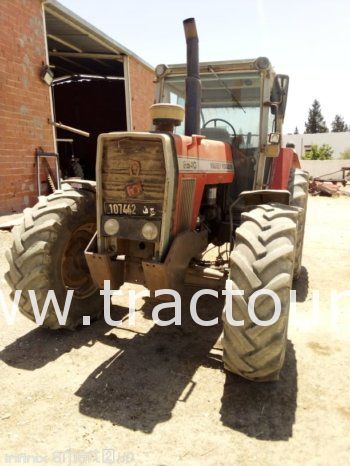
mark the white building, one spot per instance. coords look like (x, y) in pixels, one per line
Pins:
(338, 141)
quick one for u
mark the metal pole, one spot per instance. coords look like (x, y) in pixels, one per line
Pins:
(70, 128)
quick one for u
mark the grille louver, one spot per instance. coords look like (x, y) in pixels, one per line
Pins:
(186, 203)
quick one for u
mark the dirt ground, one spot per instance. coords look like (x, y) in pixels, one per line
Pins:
(159, 396)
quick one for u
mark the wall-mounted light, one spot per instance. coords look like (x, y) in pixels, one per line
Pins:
(46, 74)
(161, 70)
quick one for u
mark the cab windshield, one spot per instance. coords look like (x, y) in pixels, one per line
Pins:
(230, 102)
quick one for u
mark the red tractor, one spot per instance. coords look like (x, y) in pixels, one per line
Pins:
(163, 196)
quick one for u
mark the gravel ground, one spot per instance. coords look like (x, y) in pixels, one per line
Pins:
(160, 396)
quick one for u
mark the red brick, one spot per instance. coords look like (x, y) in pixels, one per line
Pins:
(19, 135)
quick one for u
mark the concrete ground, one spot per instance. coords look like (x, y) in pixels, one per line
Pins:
(159, 396)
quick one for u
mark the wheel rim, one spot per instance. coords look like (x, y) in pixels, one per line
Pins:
(74, 269)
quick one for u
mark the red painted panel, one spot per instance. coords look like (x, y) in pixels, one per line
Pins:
(198, 148)
(281, 167)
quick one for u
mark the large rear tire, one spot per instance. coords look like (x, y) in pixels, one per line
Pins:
(48, 254)
(263, 258)
(298, 187)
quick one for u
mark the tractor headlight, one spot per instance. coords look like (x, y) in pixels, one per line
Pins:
(111, 226)
(149, 231)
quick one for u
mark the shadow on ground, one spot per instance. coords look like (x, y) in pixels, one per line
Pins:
(40, 346)
(139, 386)
(265, 411)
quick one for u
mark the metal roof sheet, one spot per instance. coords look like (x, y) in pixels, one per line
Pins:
(65, 27)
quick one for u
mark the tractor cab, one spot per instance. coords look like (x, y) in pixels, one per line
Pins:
(242, 103)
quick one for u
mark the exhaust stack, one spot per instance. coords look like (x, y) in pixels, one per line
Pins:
(193, 83)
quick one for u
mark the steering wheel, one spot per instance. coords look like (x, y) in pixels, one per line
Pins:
(215, 120)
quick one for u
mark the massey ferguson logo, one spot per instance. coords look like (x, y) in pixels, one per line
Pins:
(134, 190)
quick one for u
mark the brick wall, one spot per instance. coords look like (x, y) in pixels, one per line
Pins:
(24, 101)
(142, 90)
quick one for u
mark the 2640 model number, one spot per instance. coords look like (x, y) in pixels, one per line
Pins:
(120, 209)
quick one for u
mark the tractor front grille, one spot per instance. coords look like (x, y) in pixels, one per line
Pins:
(133, 177)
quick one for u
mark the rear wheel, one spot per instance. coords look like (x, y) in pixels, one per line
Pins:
(263, 258)
(48, 254)
(298, 187)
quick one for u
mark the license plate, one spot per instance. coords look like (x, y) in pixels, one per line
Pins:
(131, 209)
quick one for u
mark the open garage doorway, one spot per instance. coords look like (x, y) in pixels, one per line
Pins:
(90, 89)
(94, 104)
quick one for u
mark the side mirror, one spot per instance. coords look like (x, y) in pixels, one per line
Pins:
(279, 95)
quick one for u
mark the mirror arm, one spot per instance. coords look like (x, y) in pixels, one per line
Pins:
(268, 103)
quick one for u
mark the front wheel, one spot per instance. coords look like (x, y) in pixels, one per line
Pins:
(298, 187)
(48, 254)
(263, 258)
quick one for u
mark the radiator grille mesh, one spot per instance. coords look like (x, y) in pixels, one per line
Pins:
(186, 204)
(130, 162)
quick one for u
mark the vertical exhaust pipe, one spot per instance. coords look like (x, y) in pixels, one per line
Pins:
(193, 83)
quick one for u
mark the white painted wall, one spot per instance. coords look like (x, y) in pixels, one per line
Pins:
(339, 141)
(318, 168)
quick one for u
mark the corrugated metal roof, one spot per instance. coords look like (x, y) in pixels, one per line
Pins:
(68, 32)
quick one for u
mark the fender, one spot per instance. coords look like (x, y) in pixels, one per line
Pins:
(281, 166)
(264, 196)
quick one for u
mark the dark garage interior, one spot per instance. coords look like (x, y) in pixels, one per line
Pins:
(90, 104)
(88, 89)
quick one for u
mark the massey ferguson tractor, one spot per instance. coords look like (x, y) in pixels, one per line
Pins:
(213, 174)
